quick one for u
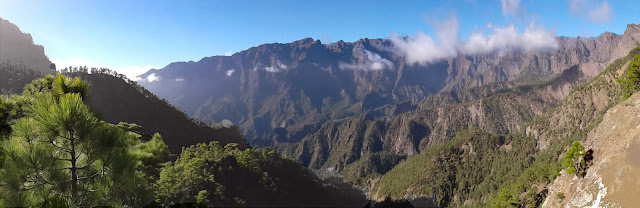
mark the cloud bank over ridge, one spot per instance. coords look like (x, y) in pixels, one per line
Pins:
(423, 49)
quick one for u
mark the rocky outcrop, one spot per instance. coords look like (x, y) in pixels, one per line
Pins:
(612, 180)
(18, 48)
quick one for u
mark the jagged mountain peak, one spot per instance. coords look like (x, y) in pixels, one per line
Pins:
(632, 28)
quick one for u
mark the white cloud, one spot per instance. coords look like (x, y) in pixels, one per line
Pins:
(271, 69)
(510, 7)
(226, 123)
(276, 66)
(592, 10)
(575, 6)
(325, 40)
(228, 53)
(133, 71)
(153, 77)
(281, 65)
(130, 72)
(178, 79)
(601, 13)
(422, 49)
(230, 72)
(508, 38)
(366, 60)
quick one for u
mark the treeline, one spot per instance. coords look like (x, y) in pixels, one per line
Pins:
(55, 152)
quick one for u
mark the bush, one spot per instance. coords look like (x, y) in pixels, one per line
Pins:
(574, 159)
(560, 196)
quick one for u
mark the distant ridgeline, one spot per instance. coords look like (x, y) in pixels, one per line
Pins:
(118, 99)
(326, 106)
(284, 93)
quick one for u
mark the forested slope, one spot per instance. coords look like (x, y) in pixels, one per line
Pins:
(481, 168)
(118, 99)
(13, 77)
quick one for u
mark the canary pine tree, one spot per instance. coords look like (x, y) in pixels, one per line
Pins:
(61, 154)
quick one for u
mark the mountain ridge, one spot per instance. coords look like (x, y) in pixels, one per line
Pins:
(540, 144)
(118, 99)
(19, 48)
(281, 92)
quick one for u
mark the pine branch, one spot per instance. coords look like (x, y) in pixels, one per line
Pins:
(59, 147)
(79, 168)
(33, 187)
(87, 177)
(65, 159)
(78, 156)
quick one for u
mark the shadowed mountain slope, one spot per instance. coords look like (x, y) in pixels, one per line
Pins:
(120, 100)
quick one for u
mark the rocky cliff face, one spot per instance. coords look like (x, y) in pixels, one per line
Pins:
(18, 48)
(284, 92)
(339, 143)
(328, 104)
(612, 180)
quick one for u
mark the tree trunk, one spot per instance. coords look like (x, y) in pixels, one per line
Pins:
(74, 171)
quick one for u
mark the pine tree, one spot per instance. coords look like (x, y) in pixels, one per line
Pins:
(574, 158)
(61, 154)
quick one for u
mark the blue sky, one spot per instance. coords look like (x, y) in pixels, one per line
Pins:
(134, 35)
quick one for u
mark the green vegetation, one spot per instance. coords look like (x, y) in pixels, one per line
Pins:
(59, 153)
(440, 170)
(574, 158)
(581, 115)
(55, 152)
(121, 100)
(13, 77)
(631, 83)
(522, 190)
(371, 165)
(227, 176)
(471, 165)
(9, 110)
